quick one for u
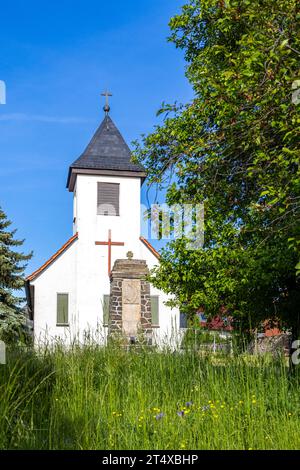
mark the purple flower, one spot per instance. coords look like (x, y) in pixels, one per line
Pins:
(189, 404)
(205, 408)
(180, 413)
(159, 416)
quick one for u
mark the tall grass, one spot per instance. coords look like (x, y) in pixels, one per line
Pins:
(109, 398)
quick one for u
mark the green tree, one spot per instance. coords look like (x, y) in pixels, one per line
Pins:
(12, 318)
(236, 148)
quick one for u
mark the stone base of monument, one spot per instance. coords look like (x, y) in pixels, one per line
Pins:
(130, 303)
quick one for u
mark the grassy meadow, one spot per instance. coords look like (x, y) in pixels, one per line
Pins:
(109, 398)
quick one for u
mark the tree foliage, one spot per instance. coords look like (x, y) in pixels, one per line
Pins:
(12, 267)
(236, 148)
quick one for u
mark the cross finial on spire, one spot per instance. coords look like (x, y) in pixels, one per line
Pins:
(106, 107)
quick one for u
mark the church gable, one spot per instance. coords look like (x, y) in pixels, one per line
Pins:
(151, 248)
(53, 258)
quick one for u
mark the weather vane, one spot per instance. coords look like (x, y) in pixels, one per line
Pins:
(106, 107)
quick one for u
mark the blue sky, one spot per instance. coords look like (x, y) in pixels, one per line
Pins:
(56, 58)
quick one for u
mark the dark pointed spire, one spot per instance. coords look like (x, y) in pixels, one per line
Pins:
(106, 154)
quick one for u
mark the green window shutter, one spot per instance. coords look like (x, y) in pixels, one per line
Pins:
(105, 309)
(62, 314)
(155, 309)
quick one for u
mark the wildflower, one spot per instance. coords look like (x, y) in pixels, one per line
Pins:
(241, 402)
(289, 414)
(222, 406)
(189, 404)
(253, 401)
(159, 416)
(182, 445)
(180, 413)
(205, 408)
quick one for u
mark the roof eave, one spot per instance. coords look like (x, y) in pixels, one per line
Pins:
(73, 172)
(51, 260)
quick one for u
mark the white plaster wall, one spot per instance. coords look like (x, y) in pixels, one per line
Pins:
(168, 331)
(82, 269)
(92, 265)
(59, 277)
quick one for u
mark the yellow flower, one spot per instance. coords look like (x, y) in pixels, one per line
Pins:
(222, 406)
(250, 448)
(290, 414)
(241, 402)
(253, 401)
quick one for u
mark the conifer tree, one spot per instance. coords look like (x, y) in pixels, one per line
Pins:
(12, 266)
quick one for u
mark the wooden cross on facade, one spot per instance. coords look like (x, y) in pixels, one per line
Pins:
(109, 243)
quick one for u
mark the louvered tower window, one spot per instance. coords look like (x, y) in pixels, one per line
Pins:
(108, 199)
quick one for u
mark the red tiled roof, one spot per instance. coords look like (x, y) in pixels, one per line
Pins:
(53, 258)
(150, 247)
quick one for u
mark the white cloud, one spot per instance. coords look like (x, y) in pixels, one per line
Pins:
(42, 118)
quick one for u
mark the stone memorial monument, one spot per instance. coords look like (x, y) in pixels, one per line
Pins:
(130, 304)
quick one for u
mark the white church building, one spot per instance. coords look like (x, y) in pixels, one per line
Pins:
(68, 297)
